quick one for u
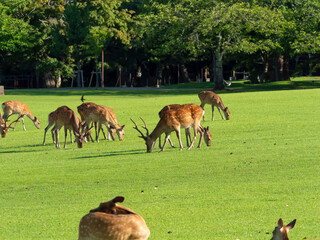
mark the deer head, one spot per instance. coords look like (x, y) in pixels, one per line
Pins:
(207, 136)
(108, 207)
(81, 136)
(149, 142)
(281, 231)
(4, 128)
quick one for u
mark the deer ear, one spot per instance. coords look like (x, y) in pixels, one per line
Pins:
(208, 128)
(118, 199)
(291, 225)
(280, 222)
(123, 126)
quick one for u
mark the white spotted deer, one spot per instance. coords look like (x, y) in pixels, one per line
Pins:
(281, 231)
(16, 107)
(101, 115)
(65, 117)
(111, 221)
(204, 132)
(189, 115)
(209, 97)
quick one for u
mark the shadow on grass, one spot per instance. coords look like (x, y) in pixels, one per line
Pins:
(115, 153)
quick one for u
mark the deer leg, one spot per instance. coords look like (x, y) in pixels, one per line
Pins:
(65, 137)
(194, 138)
(160, 141)
(97, 131)
(170, 141)
(45, 132)
(220, 113)
(212, 118)
(179, 138)
(70, 136)
(104, 135)
(57, 138)
(165, 142)
(188, 136)
(203, 109)
(201, 137)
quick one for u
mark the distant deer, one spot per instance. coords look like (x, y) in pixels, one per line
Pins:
(99, 114)
(65, 117)
(204, 132)
(281, 231)
(113, 222)
(16, 107)
(173, 120)
(208, 97)
(4, 128)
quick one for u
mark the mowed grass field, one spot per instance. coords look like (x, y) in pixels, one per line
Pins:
(263, 164)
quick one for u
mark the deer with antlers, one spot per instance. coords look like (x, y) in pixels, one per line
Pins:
(111, 221)
(4, 128)
(281, 231)
(65, 117)
(208, 97)
(204, 132)
(16, 107)
(189, 115)
(91, 112)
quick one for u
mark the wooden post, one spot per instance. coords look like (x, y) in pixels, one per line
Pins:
(1, 90)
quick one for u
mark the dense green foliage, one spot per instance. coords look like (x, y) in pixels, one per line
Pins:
(263, 165)
(266, 38)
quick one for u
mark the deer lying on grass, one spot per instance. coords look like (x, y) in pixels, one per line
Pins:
(4, 128)
(113, 222)
(91, 112)
(281, 231)
(65, 117)
(173, 120)
(208, 97)
(16, 107)
(204, 132)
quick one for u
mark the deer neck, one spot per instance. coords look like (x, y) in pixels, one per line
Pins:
(156, 133)
(29, 115)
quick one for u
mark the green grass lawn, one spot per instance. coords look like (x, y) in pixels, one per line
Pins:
(263, 165)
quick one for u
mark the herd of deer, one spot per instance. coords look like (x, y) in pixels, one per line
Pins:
(172, 118)
(111, 221)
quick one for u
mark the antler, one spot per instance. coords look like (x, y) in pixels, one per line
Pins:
(11, 122)
(136, 128)
(145, 126)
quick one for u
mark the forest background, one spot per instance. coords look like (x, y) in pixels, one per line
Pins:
(46, 43)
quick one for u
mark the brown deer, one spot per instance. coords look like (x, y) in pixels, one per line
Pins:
(101, 115)
(16, 107)
(281, 231)
(65, 117)
(4, 128)
(204, 132)
(189, 115)
(111, 221)
(208, 97)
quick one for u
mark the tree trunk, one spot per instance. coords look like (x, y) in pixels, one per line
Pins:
(184, 74)
(158, 77)
(79, 75)
(218, 71)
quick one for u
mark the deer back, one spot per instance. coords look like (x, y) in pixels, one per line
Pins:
(15, 107)
(84, 111)
(209, 97)
(111, 222)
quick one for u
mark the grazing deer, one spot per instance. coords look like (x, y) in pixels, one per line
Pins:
(16, 107)
(208, 97)
(204, 132)
(189, 115)
(281, 231)
(113, 222)
(4, 128)
(92, 112)
(65, 117)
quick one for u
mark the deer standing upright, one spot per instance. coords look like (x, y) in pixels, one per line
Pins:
(65, 117)
(111, 221)
(208, 97)
(16, 107)
(281, 231)
(173, 120)
(204, 132)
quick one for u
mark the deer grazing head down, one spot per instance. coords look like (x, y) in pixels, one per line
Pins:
(4, 128)
(113, 222)
(148, 140)
(281, 231)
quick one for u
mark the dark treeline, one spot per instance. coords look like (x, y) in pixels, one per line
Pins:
(46, 43)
